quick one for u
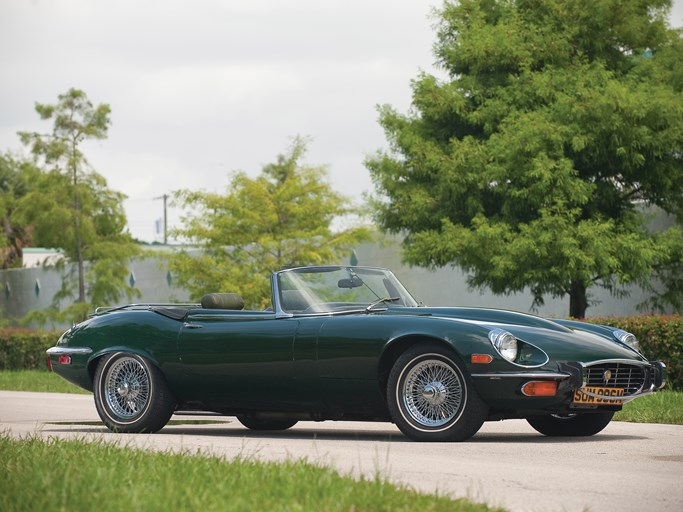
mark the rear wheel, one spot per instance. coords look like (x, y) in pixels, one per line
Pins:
(261, 424)
(580, 425)
(431, 397)
(131, 394)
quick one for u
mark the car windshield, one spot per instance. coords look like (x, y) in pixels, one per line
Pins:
(338, 289)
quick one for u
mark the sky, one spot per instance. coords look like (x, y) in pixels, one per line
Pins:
(200, 89)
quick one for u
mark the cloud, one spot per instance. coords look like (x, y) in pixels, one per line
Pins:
(199, 89)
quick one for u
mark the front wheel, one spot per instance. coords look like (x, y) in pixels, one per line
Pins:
(566, 425)
(131, 394)
(431, 397)
(260, 424)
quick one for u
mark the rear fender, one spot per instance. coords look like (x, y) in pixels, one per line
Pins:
(96, 357)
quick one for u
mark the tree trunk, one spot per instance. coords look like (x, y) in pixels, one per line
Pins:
(77, 226)
(578, 301)
(12, 255)
(81, 271)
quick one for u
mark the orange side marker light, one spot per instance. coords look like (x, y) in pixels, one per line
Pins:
(540, 388)
(482, 358)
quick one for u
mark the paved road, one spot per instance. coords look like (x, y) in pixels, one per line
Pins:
(626, 467)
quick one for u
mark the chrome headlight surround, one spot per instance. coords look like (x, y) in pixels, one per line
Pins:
(627, 338)
(505, 344)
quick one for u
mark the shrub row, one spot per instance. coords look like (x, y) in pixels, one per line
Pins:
(661, 338)
(24, 349)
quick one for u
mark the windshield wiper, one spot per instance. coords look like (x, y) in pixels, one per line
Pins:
(381, 301)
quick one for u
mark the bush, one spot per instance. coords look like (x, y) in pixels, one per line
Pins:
(24, 349)
(660, 337)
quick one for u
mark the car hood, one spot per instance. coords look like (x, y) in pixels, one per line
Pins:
(559, 342)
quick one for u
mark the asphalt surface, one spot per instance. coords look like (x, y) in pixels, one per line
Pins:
(627, 467)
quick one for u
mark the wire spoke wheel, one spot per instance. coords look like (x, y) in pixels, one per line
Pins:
(431, 396)
(127, 388)
(131, 394)
(432, 393)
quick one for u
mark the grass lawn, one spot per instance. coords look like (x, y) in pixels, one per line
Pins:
(663, 407)
(74, 475)
(37, 380)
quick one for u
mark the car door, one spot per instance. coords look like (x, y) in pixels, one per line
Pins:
(234, 359)
(339, 359)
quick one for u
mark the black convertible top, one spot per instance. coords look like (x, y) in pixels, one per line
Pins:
(174, 313)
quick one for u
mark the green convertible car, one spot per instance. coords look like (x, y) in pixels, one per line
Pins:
(350, 343)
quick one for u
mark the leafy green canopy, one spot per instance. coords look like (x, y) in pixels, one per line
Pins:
(282, 217)
(15, 181)
(69, 206)
(528, 164)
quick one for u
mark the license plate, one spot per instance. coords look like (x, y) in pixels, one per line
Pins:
(607, 396)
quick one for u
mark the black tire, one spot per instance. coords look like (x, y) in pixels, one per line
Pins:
(131, 394)
(431, 396)
(260, 424)
(579, 425)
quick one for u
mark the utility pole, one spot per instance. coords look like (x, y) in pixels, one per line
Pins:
(165, 198)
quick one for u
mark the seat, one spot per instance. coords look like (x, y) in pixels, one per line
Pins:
(222, 301)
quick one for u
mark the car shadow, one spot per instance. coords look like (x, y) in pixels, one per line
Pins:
(327, 434)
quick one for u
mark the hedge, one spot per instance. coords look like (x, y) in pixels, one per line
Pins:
(661, 338)
(24, 349)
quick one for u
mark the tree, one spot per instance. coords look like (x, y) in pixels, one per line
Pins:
(71, 207)
(15, 181)
(528, 164)
(282, 217)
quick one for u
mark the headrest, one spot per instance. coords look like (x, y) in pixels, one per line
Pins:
(222, 301)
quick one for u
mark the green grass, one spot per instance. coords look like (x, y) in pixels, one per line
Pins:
(75, 475)
(662, 407)
(37, 380)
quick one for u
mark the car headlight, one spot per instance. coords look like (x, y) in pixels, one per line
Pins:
(505, 343)
(627, 339)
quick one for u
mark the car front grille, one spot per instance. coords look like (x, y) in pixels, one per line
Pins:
(630, 377)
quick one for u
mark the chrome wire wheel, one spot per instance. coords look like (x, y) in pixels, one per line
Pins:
(432, 393)
(127, 388)
(431, 397)
(131, 394)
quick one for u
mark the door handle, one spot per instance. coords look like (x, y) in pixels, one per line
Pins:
(192, 326)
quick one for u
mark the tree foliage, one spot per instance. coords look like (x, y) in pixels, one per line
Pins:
(15, 181)
(528, 164)
(281, 217)
(71, 207)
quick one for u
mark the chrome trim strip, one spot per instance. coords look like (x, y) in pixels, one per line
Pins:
(145, 305)
(275, 292)
(520, 375)
(59, 351)
(662, 368)
(622, 361)
(519, 340)
(547, 358)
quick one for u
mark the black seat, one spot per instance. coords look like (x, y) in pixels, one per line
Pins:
(222, 301)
